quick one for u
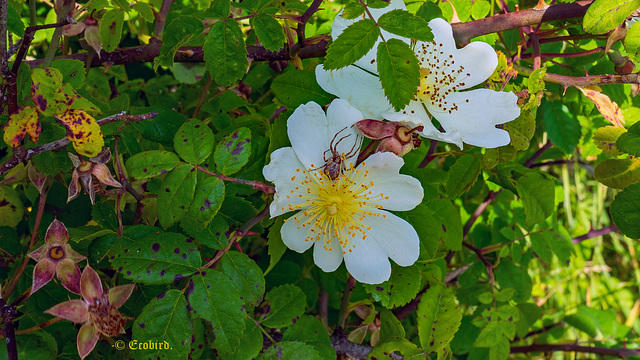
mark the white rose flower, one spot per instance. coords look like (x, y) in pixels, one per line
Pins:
(343, 217)
(465, 116)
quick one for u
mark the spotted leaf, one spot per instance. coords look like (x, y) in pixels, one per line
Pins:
(403, 286)
(438, 318)
(215, 298)
(232, 153)
(284, 304)
(161, 258)
(194, 141)
(24, 122)
(176, 194)
(207, 201)
(11, 209)
(47, 92)
(151, 163)
(83, 131)
(164, 320)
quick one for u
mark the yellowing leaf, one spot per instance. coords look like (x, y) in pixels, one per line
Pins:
(83, 131)
(48, 93)
(605, 139)
(609, 109)
(25, 121)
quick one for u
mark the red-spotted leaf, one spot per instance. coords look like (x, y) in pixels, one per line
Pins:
(438, 318)
(161, 258)
(232, 153)
(111, 29)
(48, 93)
(176, 194)
(284, 304)
(403, 286)
(194, 141)
(165, 320)
(24, 122)
(216, 299)
(151, 163)
(83, 131)
(207, 201)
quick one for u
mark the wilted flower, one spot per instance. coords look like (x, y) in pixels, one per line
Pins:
(394, 137)
(465, 116)
(84, 171)
(343, 217)
(97, 310)
(56, 257)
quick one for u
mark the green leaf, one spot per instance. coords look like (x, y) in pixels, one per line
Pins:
(251, 342)
(276, 245)
(233, 151)
(214, 298)
(207, 201)
(396, 344)
(606, 15)
(352, 10)
(177, 33)
(439, 318)
(541, 246)
(285, 304)
(402, 287)
(629, 142)
(161, 128)
(72, 71)
(176, 194)
(632, 43)
(537, 193)
(529, 314)
(225, 53)
(161, 258)
(220, 9)
(562, 126)
(48, 93)
(309, 330)
(289, 350)
(429, 11)
(463, 174)
(14, 22)
(151, 163)
(297, 87)
(145, 12)
(490, 335)
(500, 351)
(164, 319)
(354, 43)
(399, 72)
(463, 9)
(510, 275)
(390, 326)
(245, 274)
(521, 130)
(11, 209)
(111, 29)
(123, 4)
(404, 23)
(605, 139)
(480, 9)
(618, 173)
(194, 141)
(269, 31)
(625, 211)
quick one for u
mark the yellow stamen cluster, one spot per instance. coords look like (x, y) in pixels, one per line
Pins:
(334, 209)
(440, 76)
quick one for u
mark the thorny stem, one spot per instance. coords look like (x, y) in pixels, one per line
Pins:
(582, 81)
(344, 305)
(302, 22)
(242, 231)
(8, 313)
(7, 290)
(25, 155)
(161, 17)
(595, 233)
(37, 327)
(433, 144)
(255, 184)
(556, 55)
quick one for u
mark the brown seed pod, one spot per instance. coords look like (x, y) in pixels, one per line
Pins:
(394, 137)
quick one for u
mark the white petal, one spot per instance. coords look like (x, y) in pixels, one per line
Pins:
(396, 236)
(367, 262)
(308, 132)
(474, 121)
(280, 170)
(294, 235)
(329, 257)
(404, 192)
(313, 134)
(414, 115)
(360, 88)
(442, 36)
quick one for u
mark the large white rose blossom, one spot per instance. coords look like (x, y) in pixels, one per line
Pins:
(465, 116)
(342, 217)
